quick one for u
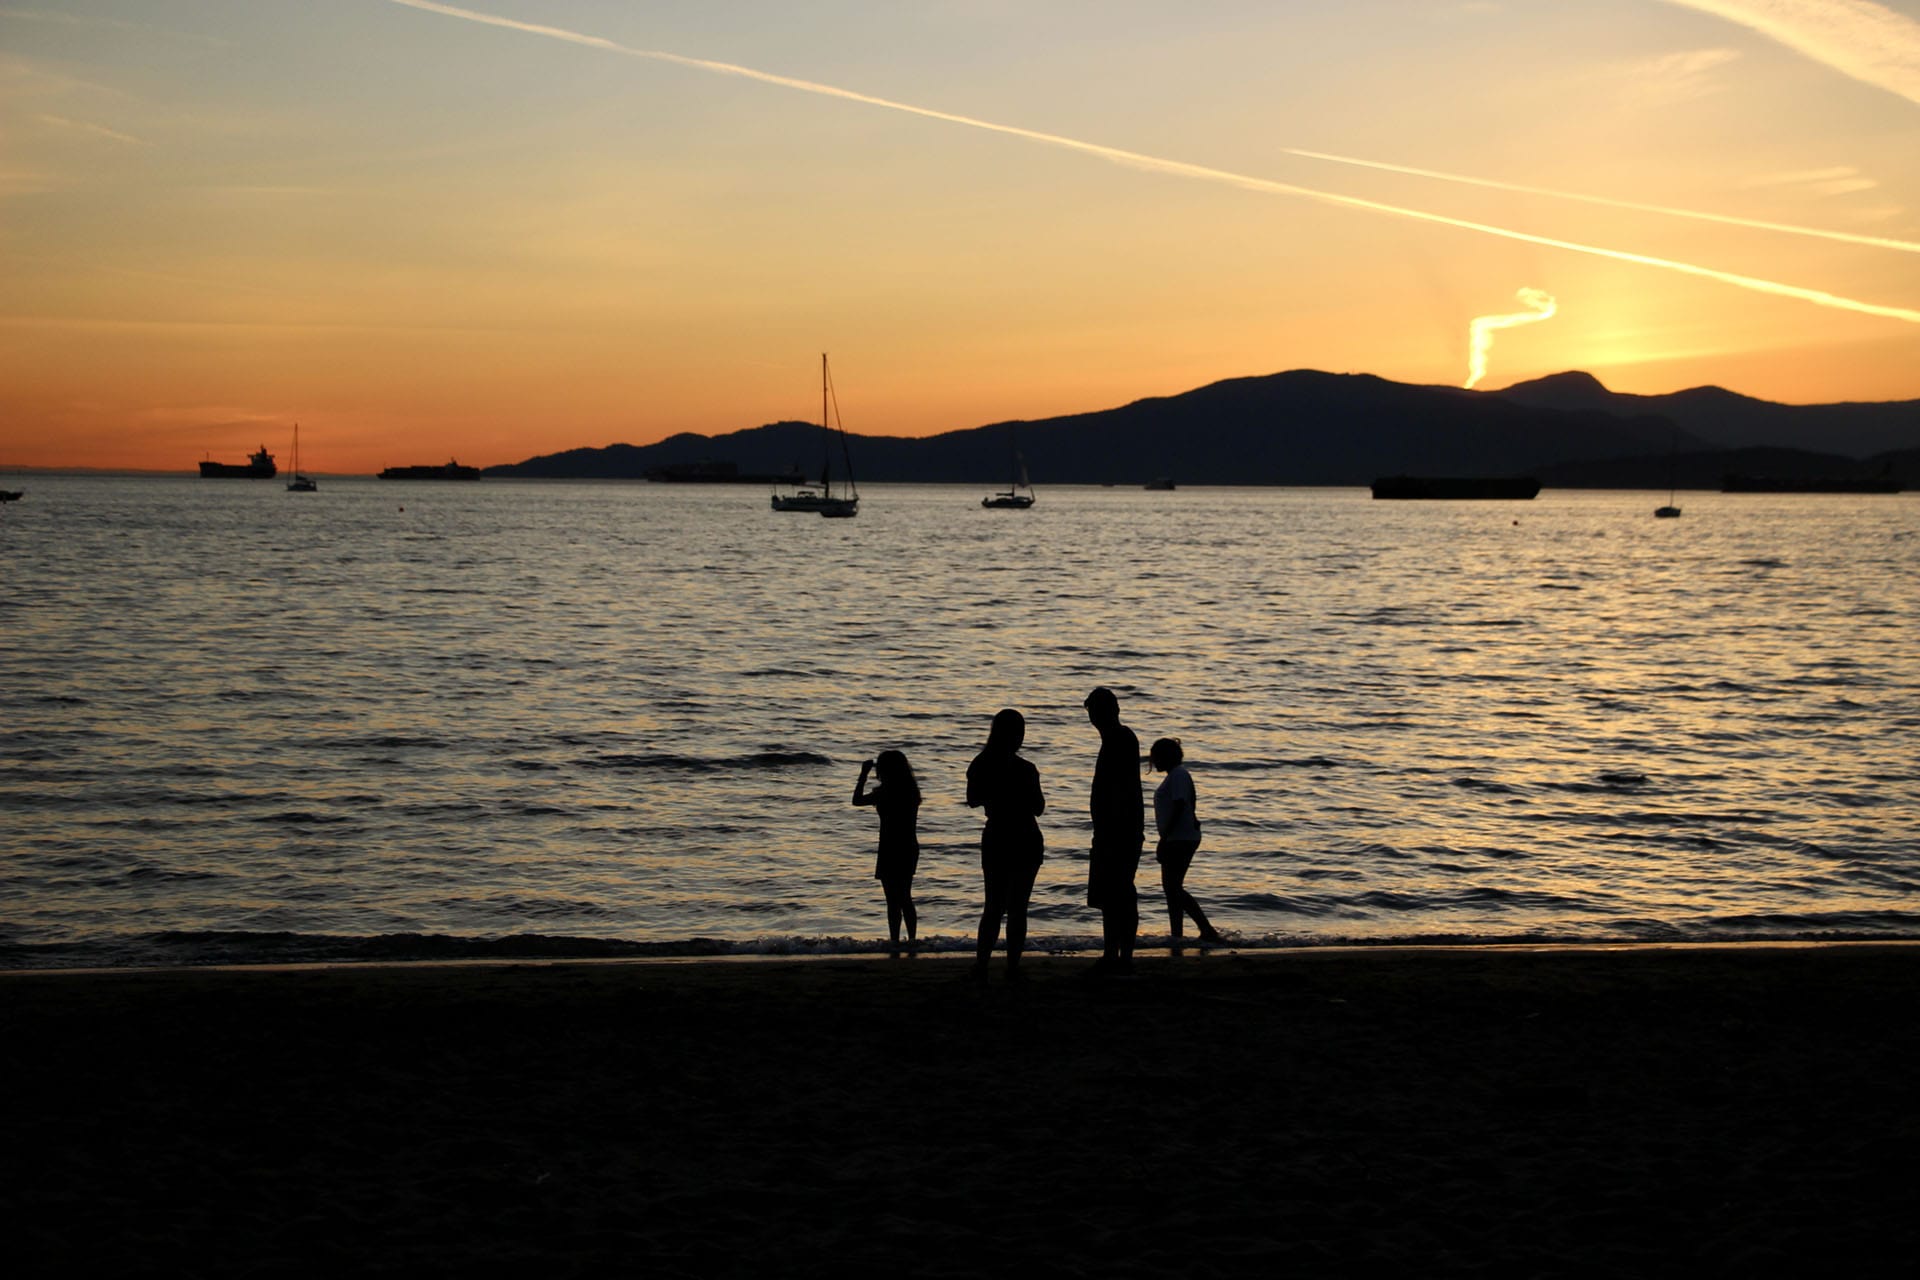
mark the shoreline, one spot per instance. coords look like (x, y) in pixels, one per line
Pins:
(952, 955)
(1511, 1109)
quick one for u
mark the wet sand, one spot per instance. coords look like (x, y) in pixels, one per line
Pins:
(1427, 1111)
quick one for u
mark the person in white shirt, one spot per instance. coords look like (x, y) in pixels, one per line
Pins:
(1179, 825)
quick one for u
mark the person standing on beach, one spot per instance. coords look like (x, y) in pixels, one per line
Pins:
(1175, 815)
(897, 801)
(1119, 829)
(1011, 848)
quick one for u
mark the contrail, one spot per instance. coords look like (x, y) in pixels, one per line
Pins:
(1847, 237)
(1177, 168)
(1484, 327)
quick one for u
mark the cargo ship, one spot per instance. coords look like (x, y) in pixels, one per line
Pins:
(1521, 488)
(451, 471)
(258, 466)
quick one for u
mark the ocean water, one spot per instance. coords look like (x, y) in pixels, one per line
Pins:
(500, 718)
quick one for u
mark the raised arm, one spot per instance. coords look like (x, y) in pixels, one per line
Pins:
(860, 794)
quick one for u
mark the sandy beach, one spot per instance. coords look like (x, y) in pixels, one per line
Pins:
(1505, 1111)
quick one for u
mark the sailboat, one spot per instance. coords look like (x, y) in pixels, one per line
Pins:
(821, 497)
(1670, 512)
(1013, 499)
(299, 483)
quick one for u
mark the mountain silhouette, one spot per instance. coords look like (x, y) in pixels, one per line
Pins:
(1728, 420)
(1306, 427)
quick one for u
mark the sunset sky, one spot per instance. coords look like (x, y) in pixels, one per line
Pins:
(512, 227)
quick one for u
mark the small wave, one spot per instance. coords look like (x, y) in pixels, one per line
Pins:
(652, 760)
(168, 875)
(780, 759)
(391, 742)
(1387, 900)
(1280, 904)
(1605, 784)
(1809, 924)
(300, 817)
(1262, 766)
(190, 948)
(673, 761)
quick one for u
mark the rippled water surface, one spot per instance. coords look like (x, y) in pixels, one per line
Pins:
(240, 720)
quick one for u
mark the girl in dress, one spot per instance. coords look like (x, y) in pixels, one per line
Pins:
(1173, 814)
(897, 801)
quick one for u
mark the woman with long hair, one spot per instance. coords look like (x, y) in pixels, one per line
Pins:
(1007, 786)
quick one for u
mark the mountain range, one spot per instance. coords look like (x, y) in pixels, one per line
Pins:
(1311, 428)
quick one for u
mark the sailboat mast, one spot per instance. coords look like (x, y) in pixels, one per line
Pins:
(826, 434)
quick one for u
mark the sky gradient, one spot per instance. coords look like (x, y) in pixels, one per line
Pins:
(506, 228)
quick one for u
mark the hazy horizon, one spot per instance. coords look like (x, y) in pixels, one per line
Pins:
(502, 230)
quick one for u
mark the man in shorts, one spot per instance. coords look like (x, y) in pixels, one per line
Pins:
(1119, 827)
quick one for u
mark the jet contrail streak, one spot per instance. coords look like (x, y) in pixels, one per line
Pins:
(1176, 168)
(1484, 327)
(1847, 237)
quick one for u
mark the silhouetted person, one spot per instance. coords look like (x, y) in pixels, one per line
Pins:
(1011, 847)
(1175, 815)
(1119, 829)
(897, 801)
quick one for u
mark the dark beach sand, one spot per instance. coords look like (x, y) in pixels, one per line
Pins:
(1702, 1110)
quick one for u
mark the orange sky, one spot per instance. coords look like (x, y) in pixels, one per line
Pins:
(421, 234)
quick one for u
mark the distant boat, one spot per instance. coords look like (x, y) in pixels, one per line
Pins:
(821, 498)
(1521, 488)
(451, 471)
(1670, 511)
(12, 495)
(1012, 499)
(259, 466)
(1162, 485)
(299, 483)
